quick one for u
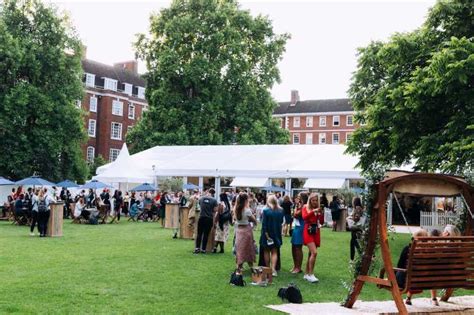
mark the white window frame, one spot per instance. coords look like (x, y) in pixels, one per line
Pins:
(322, 138)
(129, 127)
(79, 104)
(296, 119)
(90, 79)
(338, 138)
(334, 120)
(110, 84)
(90, 155)
(91, 128)
(287, 122)
(128, 88)
(296, 136)
(309, 135)
(347, 120)
(309, 121)
(117, 108)
(322, 121)
(117, 151)
(119, 131)
(131, 106)
(93, 104)
(141, 92)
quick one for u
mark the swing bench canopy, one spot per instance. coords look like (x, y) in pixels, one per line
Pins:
(429, 185)
(434, 263)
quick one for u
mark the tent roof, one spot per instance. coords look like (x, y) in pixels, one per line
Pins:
(324, 183)
(249, 182)
(124, 170)
(270, 161)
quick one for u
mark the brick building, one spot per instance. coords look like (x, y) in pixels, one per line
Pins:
(114, 101)
(316, 121)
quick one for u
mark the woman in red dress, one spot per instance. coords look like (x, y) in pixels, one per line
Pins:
(313, 217)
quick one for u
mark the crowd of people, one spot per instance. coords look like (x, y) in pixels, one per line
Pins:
(30, 207)
(300, 218)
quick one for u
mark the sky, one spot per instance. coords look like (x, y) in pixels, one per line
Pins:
(320, 57)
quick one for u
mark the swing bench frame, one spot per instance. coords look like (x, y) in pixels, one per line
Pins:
(422, 184)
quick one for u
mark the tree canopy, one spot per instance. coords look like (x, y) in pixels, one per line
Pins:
(41, 129)
(415, 95)
(211, 66)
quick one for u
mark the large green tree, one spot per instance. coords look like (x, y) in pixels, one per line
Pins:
(415, 93)
(211, 66)
(41, 130)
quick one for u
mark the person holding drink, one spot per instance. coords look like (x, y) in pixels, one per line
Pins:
(313, 217)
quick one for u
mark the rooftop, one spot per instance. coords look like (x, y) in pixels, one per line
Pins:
(314, 106)
(113, 72)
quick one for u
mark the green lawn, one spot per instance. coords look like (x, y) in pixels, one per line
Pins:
(138, 268)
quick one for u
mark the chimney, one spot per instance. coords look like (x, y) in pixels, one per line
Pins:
(131, 66)
(295, 97)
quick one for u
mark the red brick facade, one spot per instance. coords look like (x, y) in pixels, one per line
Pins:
(128, 110)
(317, 122)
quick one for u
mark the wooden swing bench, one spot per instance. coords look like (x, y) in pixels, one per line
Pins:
(433, 262)
(438, 263)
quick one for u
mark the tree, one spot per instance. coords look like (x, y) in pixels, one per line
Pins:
(98, 162)
(415, 93)
(41, 130)
(173, 184)
(211, 66)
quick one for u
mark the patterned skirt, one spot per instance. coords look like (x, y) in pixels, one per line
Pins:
(244, 244)
(222, 235)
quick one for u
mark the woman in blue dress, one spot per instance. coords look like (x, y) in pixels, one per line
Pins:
(297, 236)
(270, 239)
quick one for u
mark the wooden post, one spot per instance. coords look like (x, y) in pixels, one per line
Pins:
(172, 216)
(55, 222)
(184, 230)
(366, 259)
(385, 250)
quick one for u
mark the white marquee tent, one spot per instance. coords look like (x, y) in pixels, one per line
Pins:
(124, 170)
(250, 165)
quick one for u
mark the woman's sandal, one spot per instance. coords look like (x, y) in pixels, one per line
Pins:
(434, 301)
(408, 301)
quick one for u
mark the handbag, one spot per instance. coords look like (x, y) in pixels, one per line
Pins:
(312, 229)
(291, 293)
(237, 279)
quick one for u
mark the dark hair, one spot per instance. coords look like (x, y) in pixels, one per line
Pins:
(334, 198)
(304, 197)
(240, 205)
(212, 191)
(435, 232)
(356, 202)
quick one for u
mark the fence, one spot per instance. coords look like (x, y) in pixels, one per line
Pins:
(437, 219)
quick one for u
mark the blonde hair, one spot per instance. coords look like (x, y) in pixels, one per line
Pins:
(452, 230)
(272, 202)
(311, 197)
(420, 233)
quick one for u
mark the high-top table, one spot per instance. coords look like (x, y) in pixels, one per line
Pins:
(55, 222)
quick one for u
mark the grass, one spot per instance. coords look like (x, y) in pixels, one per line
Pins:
(137, 268)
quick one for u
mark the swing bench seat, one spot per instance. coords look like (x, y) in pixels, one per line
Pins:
(438, 263)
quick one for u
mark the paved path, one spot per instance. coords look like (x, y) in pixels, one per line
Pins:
(456, 305)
